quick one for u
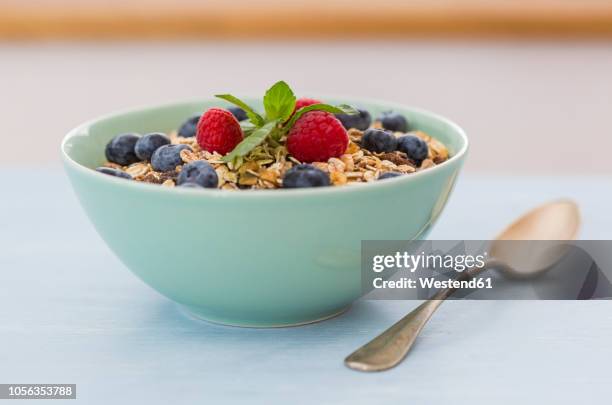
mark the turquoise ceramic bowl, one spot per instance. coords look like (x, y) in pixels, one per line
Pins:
(253, 258)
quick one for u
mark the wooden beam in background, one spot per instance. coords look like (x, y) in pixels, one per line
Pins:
(250, 20)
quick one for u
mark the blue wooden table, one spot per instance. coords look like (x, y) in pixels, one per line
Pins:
(71, 313)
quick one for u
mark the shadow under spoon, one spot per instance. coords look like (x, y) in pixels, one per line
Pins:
(554, 221)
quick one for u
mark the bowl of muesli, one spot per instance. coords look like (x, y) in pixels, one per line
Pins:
(251, 212)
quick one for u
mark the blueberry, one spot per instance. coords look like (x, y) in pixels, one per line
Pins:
(393, 121)
(198, 172)
(167, 157)
(415, 148)
(359, 121)
(305, 176)
(189, 127)
(114, 172)
(389, 175)
(120, 149)
(378, 140)
(238, 112)
(190, 185)
(149, 143)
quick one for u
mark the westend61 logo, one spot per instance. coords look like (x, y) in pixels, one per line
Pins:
(404, 261)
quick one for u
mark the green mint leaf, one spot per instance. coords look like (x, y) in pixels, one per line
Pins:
(279, 102)
(340, 109)
(247, 127)
(254, 117)
(347, 109)
(251, 142)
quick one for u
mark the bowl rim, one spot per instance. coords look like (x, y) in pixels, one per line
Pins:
(292, 192)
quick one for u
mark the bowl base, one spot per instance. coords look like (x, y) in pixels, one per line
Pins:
(196, 313)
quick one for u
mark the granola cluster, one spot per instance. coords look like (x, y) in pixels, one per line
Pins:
(265, 165)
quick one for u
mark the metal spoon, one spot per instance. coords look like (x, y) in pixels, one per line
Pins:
(555, 221)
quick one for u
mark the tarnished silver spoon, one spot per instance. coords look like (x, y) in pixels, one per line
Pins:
(555, 221)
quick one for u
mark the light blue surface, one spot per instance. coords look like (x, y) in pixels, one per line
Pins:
(71, 313)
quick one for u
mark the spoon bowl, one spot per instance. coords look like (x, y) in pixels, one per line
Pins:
(513, 253)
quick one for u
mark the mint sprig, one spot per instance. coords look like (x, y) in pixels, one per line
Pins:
(341, 109)
(254, 117)
(279, 104)
(250, 142)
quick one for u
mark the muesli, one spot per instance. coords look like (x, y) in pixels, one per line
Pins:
(296, 143)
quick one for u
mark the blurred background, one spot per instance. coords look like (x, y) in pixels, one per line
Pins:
(530, 81)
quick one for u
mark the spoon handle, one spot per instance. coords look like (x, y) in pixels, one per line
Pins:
(390, 347)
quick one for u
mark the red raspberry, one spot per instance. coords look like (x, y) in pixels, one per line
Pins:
(316, 137)
(218, 131)
(303, 102)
